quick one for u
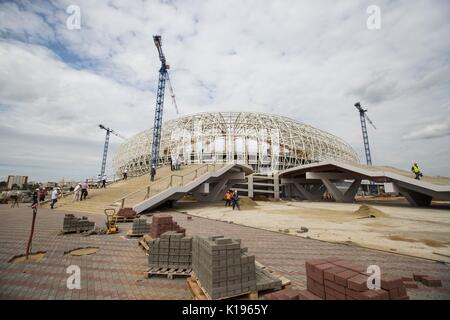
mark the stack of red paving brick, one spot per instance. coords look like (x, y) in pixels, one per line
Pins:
(429, 281)
(337, 279)
(162, 223)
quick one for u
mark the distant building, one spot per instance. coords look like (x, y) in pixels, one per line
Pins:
(50, 185)
(21, 181)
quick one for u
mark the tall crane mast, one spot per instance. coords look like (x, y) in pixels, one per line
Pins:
(157, 126)
(363, 116)
(105, 148)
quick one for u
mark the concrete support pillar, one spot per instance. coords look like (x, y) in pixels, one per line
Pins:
(276, 186)
(352, 190)
(313, 195)
(250, 185)
(416, 199)
(337, 195)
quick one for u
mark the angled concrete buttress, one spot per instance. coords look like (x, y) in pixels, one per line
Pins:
(211, 186)
(310, 182)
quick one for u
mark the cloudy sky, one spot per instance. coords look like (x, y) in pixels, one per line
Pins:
(308, 60)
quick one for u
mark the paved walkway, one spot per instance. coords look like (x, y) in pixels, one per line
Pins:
(117, 270)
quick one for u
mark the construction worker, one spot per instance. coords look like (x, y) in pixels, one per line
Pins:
(228, 196)
(125, 174)
(153, 173)
(235, 199)
(416, 170)
(104, 181)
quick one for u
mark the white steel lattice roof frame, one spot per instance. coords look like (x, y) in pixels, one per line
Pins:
(299, 143)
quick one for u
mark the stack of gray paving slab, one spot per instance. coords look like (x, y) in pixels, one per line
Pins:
(171, 250)
(223, 267)
(267, 281)
(140, 226)
(74, 224)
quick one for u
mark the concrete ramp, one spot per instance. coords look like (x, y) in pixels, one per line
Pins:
(310, 182)
(99, 199)
(209, 186)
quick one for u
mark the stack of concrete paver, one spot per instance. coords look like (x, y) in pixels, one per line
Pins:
(223, 268)
(74, 224)
(266, 281)
(140, 226)
(171, 250)
(336, 279)
(162, 223)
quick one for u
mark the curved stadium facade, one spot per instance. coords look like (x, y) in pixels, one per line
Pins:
(266, 142)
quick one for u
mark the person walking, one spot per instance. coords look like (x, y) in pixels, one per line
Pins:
(125, 174)
(84, 190)
(54, 197)
(153, 173)
(76, 192)
(416, 170)
(15, 198)
(35, 197)
(104, 181)
(42, 193)
(235, 199)
(99, 181)
(228, 196)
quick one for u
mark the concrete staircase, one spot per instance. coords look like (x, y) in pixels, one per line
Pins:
(100, 199)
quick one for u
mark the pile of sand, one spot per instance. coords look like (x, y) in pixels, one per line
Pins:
(247, 203)
(368, 211)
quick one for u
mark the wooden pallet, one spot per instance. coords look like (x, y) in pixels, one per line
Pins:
(170, 273)
(199, 293)
(144, 245)
(130, 234)
(121, 219)
(284, 281)
(62, 232)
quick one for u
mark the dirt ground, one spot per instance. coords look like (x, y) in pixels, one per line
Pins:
(391, 227)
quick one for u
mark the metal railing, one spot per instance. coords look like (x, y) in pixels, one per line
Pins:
(174, 180)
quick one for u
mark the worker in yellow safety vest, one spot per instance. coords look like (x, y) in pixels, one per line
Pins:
(416, 170)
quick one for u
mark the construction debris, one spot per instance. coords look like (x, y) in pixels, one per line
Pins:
(302, 230)
(74, 224)
(266, 281)
(223, 269)
(162, 223)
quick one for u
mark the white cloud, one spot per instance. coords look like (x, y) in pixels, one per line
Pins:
(308, 60)
(430, 131)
